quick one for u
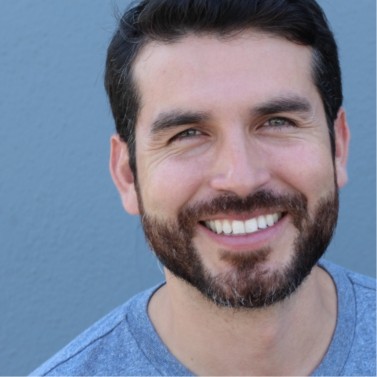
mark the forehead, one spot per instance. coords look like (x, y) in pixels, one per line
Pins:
(201, 69)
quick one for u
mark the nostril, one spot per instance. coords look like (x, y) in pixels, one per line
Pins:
(241, 183)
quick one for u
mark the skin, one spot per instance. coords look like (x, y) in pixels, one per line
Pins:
(233, 147)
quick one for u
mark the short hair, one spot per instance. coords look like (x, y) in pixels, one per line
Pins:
(300, 21)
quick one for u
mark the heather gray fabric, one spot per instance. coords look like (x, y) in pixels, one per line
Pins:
(125, 342)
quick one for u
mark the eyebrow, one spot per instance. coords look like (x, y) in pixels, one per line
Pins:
(177, 118)
(295, 104)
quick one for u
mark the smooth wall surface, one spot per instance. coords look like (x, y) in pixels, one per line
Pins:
(69, 253)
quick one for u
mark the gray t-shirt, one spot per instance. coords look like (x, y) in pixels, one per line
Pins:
(126, 343)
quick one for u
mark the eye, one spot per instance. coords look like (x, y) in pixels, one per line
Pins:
(186, 134)
(278, 122)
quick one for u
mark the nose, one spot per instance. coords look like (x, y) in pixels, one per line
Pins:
(240, 166)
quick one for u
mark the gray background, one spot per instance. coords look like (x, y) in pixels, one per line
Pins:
(69, 254)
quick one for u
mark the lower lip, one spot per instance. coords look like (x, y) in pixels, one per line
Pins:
(246, 242)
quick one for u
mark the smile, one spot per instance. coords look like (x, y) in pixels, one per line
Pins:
(239, 227)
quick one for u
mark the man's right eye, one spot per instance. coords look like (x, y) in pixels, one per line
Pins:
(188, 133)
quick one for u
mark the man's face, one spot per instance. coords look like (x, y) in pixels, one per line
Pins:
(236, 183)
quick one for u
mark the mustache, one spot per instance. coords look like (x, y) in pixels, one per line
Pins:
(295, 204)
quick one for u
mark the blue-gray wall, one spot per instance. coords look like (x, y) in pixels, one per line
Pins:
(68, 252)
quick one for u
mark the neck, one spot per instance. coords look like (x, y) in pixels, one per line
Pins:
(287, 338)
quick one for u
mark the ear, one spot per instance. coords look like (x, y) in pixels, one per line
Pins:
(122, 175)
(342, 138)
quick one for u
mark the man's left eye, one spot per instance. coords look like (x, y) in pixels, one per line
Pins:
(278, 122)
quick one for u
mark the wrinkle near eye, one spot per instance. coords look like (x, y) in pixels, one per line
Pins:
(171, 145)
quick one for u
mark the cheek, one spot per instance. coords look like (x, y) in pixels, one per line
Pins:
(168, 186)
(308, 169)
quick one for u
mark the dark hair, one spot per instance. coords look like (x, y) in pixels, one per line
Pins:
(300, 21)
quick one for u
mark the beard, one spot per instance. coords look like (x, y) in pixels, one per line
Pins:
(247, 283)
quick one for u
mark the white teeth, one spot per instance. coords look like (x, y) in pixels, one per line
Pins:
(227, 228)
(251, 226)
(270, 220)
(238, 227)
(262, 223)
(212, 226)
(218, 225)
(243, 227)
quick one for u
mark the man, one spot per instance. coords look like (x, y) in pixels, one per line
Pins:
(231, 144)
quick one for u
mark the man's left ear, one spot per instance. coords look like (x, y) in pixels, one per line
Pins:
(342, 138)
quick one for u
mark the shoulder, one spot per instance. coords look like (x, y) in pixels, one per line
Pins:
(359, 282)
(364, 289)
(348, 283)
(362, 283)
(354, 341)
(353, 347)
(362, 358)
(106, 345)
